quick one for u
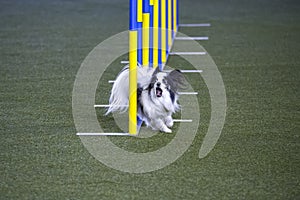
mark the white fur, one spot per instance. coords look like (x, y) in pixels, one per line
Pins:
(155, 110)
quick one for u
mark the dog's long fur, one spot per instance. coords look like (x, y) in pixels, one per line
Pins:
(157, 96)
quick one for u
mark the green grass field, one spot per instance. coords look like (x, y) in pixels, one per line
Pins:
(256, 47)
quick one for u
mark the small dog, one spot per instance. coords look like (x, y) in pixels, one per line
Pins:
(157, 95)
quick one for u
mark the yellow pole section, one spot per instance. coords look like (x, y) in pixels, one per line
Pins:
(175, 16)
(133, 82)
(169, 24)
(163, 31)
(152, 2)
(140, 11)
(146, 40)
(155, 33)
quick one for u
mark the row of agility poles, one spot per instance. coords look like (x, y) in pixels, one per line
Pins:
(152, 28)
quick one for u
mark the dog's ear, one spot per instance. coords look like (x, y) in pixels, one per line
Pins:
(176, 80)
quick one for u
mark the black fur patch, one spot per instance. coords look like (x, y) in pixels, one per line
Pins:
(152, 82)
(172, 95)
(139, 91)
(139, 94)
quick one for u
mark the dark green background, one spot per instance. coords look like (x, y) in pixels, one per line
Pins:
(255, 45)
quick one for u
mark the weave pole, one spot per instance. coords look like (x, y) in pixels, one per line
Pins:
(133, 54)
(153, 25)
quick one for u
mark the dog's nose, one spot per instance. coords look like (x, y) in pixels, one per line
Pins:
(158, 84)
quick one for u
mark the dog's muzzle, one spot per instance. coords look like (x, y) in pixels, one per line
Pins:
(158, 92)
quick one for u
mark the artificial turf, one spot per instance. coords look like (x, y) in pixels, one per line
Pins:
(255, 45)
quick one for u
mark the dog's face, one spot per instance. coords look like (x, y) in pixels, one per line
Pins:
(162, 84)
(158, 86)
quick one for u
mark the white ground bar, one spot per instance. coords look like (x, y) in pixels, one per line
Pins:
(182, 120)
(124, 62)
(103, 134)
(106, 106)
(188, 93)
(188, 53)
(191, 38)
(187, 71)
(195, 25)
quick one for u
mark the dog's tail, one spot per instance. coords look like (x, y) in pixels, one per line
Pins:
(118, 101)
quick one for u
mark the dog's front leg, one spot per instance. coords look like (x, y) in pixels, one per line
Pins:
(159, 124)
(169, 121)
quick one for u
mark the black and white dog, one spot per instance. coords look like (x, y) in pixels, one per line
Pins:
(157, 96)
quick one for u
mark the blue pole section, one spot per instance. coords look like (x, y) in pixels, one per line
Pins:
(166, 28)
(140, 42)
(172, 19)
(177, 14)
(159, 36)
(133, 15)
(151, 10)
(146, 6)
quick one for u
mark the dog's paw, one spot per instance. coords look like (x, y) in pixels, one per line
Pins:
(166, 130)
(169, 122)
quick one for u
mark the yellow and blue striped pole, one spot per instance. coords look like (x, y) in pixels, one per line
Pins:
(163, 19)
(155, 32)
(175, 21)
(169, 25)
(146, 32)
(133, 43)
